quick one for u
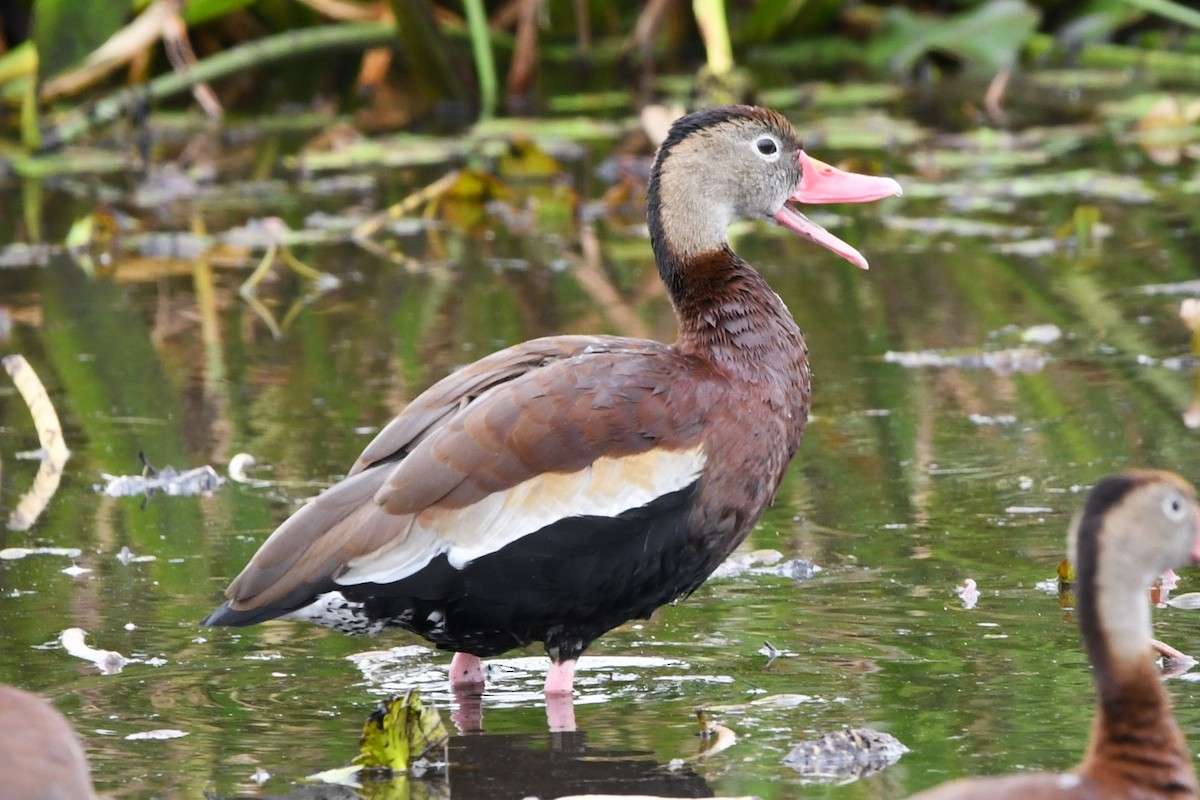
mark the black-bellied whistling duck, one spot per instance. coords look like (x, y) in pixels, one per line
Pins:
(40, 756)
(553, 490)
(1132, 528)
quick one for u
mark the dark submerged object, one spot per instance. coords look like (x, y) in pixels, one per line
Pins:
(845, 755)
(553, 490)
(1133, 527)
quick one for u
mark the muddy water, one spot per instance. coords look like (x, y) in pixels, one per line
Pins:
(959, 455)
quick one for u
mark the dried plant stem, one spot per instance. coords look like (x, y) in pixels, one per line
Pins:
(280, 47)
(50, 436)
(45, 418)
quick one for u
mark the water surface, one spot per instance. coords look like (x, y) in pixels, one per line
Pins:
(909, 480)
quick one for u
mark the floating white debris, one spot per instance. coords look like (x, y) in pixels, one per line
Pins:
(126, 557)
(1041, 334)
(785, 701)
(741, 563)
(260, 776)
(238, 466)
(984, 419)
(75, 571)
(168, 480)
(968, 593)
(13, 553)
(413, 666)
(160, 733)
(766, 562)
(1189, 601)
(1002, 362)
(1028, 510)
(110, 662)
(1049, 586)
(340, 776)
(1182, 287)
(770, 651)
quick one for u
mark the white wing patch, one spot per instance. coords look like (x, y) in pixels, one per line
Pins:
(606, 487)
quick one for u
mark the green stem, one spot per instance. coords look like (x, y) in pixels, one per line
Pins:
(1158, 63)
(279, 47)
(431, 69)
(485, 64)
(710, 16)
(1176, 12)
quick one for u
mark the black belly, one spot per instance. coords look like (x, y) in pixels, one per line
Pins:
(564, 585)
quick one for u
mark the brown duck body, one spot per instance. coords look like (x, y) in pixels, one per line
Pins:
(1133, 527)
(646, 407)
(40, 756)
(553, 490)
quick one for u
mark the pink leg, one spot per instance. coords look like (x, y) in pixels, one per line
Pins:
(560, 678)
(466, 670)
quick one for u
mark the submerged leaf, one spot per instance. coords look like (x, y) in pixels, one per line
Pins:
(398, 731)
(93, 243)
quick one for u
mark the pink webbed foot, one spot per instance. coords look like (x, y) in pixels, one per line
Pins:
(466, 672)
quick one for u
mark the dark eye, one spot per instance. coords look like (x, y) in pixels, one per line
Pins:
(766, 146)
(1173, 507)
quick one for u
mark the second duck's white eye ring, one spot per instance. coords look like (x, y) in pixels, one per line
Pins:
(1174, 507)
(767, 148)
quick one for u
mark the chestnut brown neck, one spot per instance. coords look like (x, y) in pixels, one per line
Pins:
(1135, 738)
(1136, 741)
(726, 310)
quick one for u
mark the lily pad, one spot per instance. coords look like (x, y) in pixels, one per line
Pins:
(990, 36)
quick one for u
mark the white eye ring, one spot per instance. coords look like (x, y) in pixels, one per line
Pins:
(767, 148)
(1173, 507)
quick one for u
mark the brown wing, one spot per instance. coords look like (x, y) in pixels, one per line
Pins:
(590, 425)
(451, 394)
